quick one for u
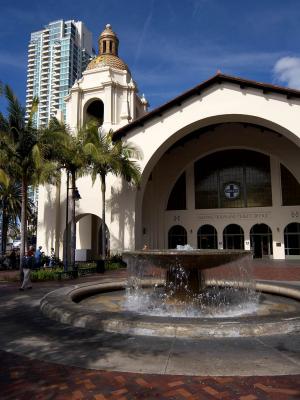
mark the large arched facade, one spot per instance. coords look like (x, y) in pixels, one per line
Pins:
(224, 114)
(223, 174)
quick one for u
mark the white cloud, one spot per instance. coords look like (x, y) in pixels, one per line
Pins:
(144, 32)
(287, 70)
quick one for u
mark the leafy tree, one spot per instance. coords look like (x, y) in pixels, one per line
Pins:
(11, 201)
(70, 156)
(107, 156)
(28, 149)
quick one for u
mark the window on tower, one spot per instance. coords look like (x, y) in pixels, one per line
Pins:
(95, 112)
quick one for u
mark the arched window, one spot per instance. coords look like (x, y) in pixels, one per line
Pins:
(233, 178)
(233, 237)
(177, 236)
(177, 198)
(292, 239)
(290, 188)
(261, 240)
(207, 237)
(95, 112)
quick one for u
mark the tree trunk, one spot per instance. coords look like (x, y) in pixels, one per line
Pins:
(73, 221)
(4, 229)
(23, 247)
(66, 242)
(103, 238)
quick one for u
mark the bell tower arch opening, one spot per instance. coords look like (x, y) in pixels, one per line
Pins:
(95, 112)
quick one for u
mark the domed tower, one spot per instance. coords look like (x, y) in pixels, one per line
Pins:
(106, 92)
(108, 45)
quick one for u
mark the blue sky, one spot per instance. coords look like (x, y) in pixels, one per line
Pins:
(169, 45)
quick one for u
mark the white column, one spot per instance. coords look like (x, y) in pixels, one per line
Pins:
(190, 188)
(277, 232)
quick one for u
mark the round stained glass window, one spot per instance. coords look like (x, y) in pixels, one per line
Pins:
(231, 191)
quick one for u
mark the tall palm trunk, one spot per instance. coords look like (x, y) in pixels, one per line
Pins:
(103, 238)
(66, 242)
(73, 221)
(23, 247)
(4, 228)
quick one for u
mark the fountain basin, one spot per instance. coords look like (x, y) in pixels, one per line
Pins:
(102, 306)
(66, 305)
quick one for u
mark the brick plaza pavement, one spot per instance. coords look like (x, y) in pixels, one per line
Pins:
(25, 378)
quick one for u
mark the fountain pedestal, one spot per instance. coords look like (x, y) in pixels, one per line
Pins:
(188, 282)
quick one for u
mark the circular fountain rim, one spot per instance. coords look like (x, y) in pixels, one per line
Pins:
(60, 305)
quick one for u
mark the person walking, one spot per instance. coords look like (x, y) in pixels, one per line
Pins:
(28, 263)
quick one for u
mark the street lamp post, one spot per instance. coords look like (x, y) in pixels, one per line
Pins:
(67, 227)
(76, 196)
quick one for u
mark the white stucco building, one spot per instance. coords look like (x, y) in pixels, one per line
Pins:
(220, 166)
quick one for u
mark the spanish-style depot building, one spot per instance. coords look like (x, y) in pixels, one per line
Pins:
(220, 166)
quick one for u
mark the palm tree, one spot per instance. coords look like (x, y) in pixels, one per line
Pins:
(11, 200)
(70, 156)
(28, 149)
(107, 156)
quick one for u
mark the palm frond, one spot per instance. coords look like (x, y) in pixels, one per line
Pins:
(36, 156)
(4, 178)
(16, 112)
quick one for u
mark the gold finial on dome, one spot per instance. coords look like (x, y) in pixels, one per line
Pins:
(108, 45)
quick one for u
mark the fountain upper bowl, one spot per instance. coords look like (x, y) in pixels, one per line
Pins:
(200, 259)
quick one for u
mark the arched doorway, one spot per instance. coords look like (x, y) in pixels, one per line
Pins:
(261, 241)
(177, 236)
(292, 240)
(207, 237)
(233, 237)
(95, 112)
(88, 238)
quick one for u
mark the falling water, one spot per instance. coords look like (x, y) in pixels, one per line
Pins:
(228, 289)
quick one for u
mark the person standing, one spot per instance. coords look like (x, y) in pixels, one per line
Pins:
(38, 257)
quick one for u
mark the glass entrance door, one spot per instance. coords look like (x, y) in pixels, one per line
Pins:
(261, 241)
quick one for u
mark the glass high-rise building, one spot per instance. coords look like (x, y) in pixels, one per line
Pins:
(57, 56)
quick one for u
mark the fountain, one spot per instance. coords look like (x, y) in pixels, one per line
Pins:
(180, 293)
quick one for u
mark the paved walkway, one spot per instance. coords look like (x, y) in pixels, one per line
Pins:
(41, 359)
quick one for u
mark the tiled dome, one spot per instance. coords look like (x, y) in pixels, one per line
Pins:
(108, 60)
